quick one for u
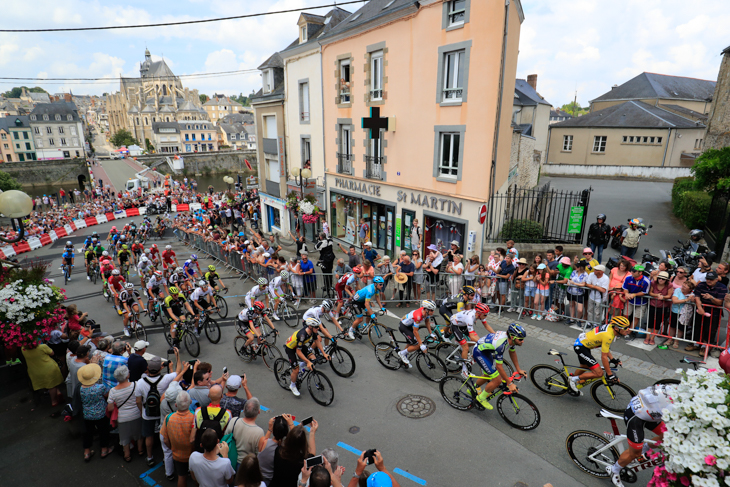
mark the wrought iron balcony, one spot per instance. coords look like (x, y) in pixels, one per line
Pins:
(374, 169)
(344, 164)
(452, 93)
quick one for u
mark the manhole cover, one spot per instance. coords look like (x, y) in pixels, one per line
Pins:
(354, 430)
(413, 406)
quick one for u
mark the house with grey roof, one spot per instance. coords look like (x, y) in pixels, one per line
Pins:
(166, 137)
(559, 116)
(531, 113)
(198, 136)
(219, 106)
(632, 133)
(57, 131)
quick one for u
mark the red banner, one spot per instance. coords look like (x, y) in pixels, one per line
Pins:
(183, 207)
(90, 221)
(46, 240)
(60, 232)
(132, 212)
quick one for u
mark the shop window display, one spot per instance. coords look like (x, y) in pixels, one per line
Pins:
(441, 232)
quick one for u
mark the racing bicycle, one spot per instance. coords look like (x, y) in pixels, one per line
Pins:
(136, 326)
(221, 304)
(341, 360)
(318, 383)
(66, 272)
(266, 350)
(376, 332)
(429, 365)
(517, 410)
(286, 311)
(186, 334)
(553, 381)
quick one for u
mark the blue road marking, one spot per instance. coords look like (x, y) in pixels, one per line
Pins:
(306, 427)
(349, 448)
(264, 408)
(147, 479)
(409, 476)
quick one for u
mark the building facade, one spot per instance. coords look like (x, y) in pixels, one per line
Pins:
(166, 137)
(22, 138)
(531, 114)
(219, 106)
(198, 136)
(718, 124)
(57, 131)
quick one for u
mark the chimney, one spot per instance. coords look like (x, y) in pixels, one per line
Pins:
(532, 81)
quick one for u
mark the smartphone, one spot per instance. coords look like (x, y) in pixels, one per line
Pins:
(308, 420)
(314, 461)
(370, 456)
(225, 370)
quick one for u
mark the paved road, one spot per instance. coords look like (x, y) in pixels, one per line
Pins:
(621, 200)
(118, 171)
(449, 444)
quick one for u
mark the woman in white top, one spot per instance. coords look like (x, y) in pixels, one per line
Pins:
(130, 419)
(455, 269)
(415, 235)
(470, 268)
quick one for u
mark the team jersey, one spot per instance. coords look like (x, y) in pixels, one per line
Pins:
(366, 293)
(300, 339)
(144, 266)
(87, 243)
(648, 403)
(255, 291)
(199, 294)
(168, 255)
(99, 250)
(155, 252)
(188, 268)
(154, 282)
(414, 318)
(107, 267)
(125, 295)
(246, 315)
(89, 255)
(494, 345)
(68, 255)
(317, 312)
(123, 255)
(137, 248)
(211, 277)
(116, 282)
(464, 319)
(347, 280)
(276, 286)
(175, 278)
(455, 302)
(600, 336)
(175, 303)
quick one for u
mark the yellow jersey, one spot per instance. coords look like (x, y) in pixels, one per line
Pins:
(600, 336)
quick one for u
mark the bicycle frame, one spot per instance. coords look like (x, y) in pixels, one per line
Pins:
(567, 368)
(618, 441)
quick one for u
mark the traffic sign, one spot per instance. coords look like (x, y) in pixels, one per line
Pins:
(482, 214)
(575, 221)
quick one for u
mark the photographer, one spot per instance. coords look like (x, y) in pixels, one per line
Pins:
(380, 478)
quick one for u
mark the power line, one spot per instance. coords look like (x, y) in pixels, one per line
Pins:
(194, 75)
(186, 22)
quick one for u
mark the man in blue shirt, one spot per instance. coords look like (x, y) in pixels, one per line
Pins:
(506, 270)
(370, 254)
(310, 280)
(636, 286)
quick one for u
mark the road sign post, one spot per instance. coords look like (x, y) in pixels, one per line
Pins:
(482, 214)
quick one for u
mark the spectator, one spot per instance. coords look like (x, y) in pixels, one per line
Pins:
(470, 268)
(230, 400)
(207, 468)
(367, 274)
(722, 270)
(418, 275)
(364, 233)
(504, 275)
(93, 400)
(386, 271)
(175, 431)
(212, 411)
(455, 269)
(279, 427)
(597, 285)
(635, 287)
(415, 235)
(661, 293)
(709, 296)
(380, 477)
(129, 422)
(576, 293)
(152, 381)
(599, 235)
(249, 437)
(136, 361)
(290, 455)
(306, 269)
(432, 267)
(680, 277)
(44, 372)
(616, 289)
(369, 254)
(326, 475)
(511, 249)
(630, 240)
(353, 258)
(249, 472)
(201, 387)
(680, 298)
(341, 268)
(705, 266)
(167, 407)
(408, 268)
(81, 359)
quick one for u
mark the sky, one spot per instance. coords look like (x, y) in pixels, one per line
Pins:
(583, 45)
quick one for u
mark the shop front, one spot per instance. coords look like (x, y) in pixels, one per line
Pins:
(352, 216)
(273, 214)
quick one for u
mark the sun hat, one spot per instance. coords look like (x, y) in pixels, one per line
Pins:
(400, 278)
(522, 261)
(587, 250)
(430, 247)
(565, 261)
(665, 275)
(89, 374)
(455, 242)
(601, 268)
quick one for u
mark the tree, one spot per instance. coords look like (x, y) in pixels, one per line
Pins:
(18, 90)
(574, 109)
(123, 138)
(204, 98)
(148, 145)
(7, 182)
(712, 169)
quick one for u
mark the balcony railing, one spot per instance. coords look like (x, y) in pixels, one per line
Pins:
(452, 93)
(345, 95)
(304, 116)
(344, 164)
(374, 169)
(376, 94)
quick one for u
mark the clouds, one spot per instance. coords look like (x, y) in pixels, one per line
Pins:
(593, 44)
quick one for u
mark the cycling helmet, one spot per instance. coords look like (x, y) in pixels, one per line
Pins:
(158, 273)
(115, 272)
(105, 253)
(357, 269)
(146, 251)
(327, 304)
(428, 304)
(262, 281)
(114, 229)
(696, 234)
(620, 322)
(129, 285)
(601, 216)
(125, 247)
(144, 259)
(174, 290)
(516, 331)
(378, 280)
(94, 234)
(211, 267)
(258, 305)
(284, 275)
(154, 246)
(131, 222)
(94, 239)
(468, 290)
(194, 257)
(178, 270)
(202, 283)
(69, 243)
(168, 247)
(313, 322)
(482, 308)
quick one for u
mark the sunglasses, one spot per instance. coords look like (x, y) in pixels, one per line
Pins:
(587, 253)
(681, 272)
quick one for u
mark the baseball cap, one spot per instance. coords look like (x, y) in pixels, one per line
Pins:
(638, 268)
(141, 345)
(710, 276)
(565, 261)
(154, 364)
(541, 267)
(233, 383)
(369, 244)
(601, 268)
(266, 254)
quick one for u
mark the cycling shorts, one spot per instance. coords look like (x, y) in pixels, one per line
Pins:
(585, 357)
(203, 304)
(635, 428)
(446, 312)
(461, 333)
(358, 309)
(67, 260)
(340, 289)
(409, 333)
(485, 362)
(294, 358)
(247, 330)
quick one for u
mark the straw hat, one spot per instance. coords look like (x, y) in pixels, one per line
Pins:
(89, 374)
(400, 278)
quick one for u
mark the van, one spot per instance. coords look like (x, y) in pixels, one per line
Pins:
(115, 155)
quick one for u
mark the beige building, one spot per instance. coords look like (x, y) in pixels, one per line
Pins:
(198, 136)
(632, 133)
(219, 106)
(57, 131)
(530, 122)
(166, 137)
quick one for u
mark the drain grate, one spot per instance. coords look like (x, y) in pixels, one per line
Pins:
(416, 407)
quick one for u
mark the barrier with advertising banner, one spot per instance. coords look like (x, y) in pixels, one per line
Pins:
(101, 219)
(35, 243)
(79, 223)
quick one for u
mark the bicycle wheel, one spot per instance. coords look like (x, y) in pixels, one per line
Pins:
(378, 334)
(93, 277)
(192, 345)
(166, 333)
(430, 366)
(582, 444)
(139, 331)
(65, 276)
(289, 316)
(387, 356)
(444, 351)
(342, 361)
(613, 397)
(282, 372)
(239, 345)
(222, 307)
(457, 392)
(212, 330)
(549, 380)
(518, 411)
(240, 326)
(320, 388)
(270, 354)
(164, 320)
(667, 382)
(266, 329)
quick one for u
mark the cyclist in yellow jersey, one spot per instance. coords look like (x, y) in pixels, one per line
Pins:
(600, 336)
(298, 349)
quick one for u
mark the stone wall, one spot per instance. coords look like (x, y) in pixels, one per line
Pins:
(718, 126)
(210, 162)
(55, 172)
(652, 173)
(524, 161)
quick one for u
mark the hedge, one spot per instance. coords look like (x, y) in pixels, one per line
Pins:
(522, 231)
(681, 186)
(694, 207)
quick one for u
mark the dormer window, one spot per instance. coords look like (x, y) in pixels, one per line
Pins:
(303, 34)
(58, 117)
(268, 75)
(45, 117)
(69, 117)
(33, 117)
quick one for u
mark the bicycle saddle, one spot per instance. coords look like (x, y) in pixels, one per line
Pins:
(608, 414)
(555, 352)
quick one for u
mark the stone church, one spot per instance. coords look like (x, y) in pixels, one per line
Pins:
(156, 96)
(718, 127)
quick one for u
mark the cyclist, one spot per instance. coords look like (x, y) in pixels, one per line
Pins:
(600, 336)
(188, 266)
(67, 259)
(143, 231)
(99, 250)
(115, 283)
(137, 249)
(175, 305)
(347, 284)
(132, 229)
(247, 316)
(409, 325)
(88, 241)
(456, 302)
(124, 256)
(362, 298)
(69, 246)
(90, 259)
(278, 288)
(462, 326)
(129, 297)
(489, 352)
(213, 279)
(324, 309)
(169, 258)
(258, 290)
(201, 298)
(153, 289)
(299, 352)
(112, 232)
(645, 410)
(143, 268)
(155, 253)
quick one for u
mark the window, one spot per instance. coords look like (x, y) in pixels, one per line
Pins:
(78, 154)
(21, 157)
(66, 154)
(449, 154)
(146, 121)
(69, 117)
(306, 151)
(39, 143)
(193, 136)
(651, 140)
(202, 136)
(599, 143)
(376, 75)
(45, 117)
(345, 81)
(16, 135)
(631, 139)
(27, 146)
(63, 141)
(60, 130)
(6, 146)
(626, 139)
(25, 136)
(698, 143)
(33, 117)
(49, 130)
(58, 117)
(51, 141)
(453, 75)
(646, 140)
(658, 140)
(344, 156)
(457, 12)
(3, 136)
(374, 168)
(268, 76)
(187, 137)
(567, 143)
(304, 102)
(303, 31)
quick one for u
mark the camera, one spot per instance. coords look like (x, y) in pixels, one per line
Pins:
(370, 456)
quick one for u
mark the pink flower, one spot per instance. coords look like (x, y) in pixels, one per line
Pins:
(671, 476)
(711, 370)
(710, 460)
(685, 481)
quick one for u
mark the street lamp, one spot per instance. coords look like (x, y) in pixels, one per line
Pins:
(300, 177)
(15, 204)
(228, 180)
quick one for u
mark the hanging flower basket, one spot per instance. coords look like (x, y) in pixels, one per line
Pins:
(310, 218)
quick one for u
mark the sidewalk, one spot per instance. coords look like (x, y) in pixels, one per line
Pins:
(99, 173)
